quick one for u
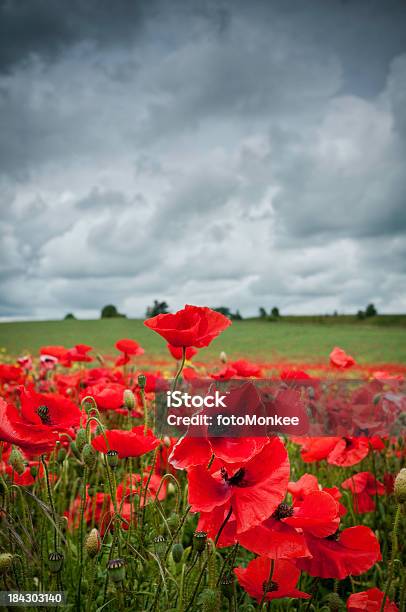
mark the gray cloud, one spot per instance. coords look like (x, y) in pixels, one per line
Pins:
(238, 153)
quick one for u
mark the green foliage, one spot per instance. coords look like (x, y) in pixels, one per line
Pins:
(69, 316)
(156, 309)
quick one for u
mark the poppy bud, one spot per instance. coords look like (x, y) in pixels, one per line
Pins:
(199, 541)
(16, 461)
(6, 561)
(223, 357)
(173, 521)
(61, 456)
(116, 569)
(80, 439)
(334, 602)
(89, 456)
(400, 486)
(112, 459)
(99, 430)
(129, 399)
(55, 562)
(227, 586)
(177, 552)
(142, 381)
(376, 399)
(209, 600)
(160, 545)
(93, 543)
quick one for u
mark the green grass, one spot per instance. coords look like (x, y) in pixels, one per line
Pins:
(291, 339)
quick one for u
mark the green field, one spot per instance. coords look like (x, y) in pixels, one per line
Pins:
(294, 340)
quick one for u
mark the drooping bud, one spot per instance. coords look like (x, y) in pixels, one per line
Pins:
(75, 451)
(89, 456)
(142, 381)
(55, 562)
(177, 552)
(16, 460)
(93, 543)
(61, 456)
(199, 541)
(223, 357)
(116, 570)
(112, 459)
(160, 545)
(129, 399)
(6, 561)
(400, 486)
(80, 439)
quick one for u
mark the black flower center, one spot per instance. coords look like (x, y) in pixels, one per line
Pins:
(43, 413)
(282, 511)
(334, 536)
(269, 586)
(237, 480)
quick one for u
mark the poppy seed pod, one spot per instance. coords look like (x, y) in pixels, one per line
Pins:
(6, 561)
(16, 461)
(116, 570)
(400, 486)
(227, 586)
(177, 552)
(80, 440)
(89, 456)
(129, 399)
(199, 541)
(160, 545)
(93, 543)
(142, 381)
(55, 562)
(112, 459)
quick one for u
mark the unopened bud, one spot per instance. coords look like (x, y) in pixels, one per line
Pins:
(223, 357)
(93, 543)
(89, 456)
(34, 471)
(61, 456)
(173, 521)
(116, 570)
(75, 451)
(6, 561)
(16, 461)
(160, 545)
(129, 399)
(400, 486)
(209, 600)
(55, 562)
(333, 601)
(80, 439)
(177, 552)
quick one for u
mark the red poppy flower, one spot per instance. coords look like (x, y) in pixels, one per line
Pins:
(348, 553)
(256, 579)
(225, 373)
(107, 395)
(127, 443)
(369, 601)
(340, 359)
(192, 326)
(10, 373)
(79, 353)
(15, 430)
(309, 483)
(364, 488)
(318, 514)
(253, 490)
(48, 409)
(246, 369)
(349, 451)
(294, 375)
(316, 449)
(57, 351)
(129, 347)
(177, 352)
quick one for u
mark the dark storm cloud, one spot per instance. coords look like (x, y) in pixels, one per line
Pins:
(248, 153)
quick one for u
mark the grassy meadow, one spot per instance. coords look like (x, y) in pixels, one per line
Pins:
(380, 340)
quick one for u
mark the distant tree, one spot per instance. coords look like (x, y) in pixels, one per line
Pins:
(157, 308)
(224, 311)
(262, 312)
(361, 315)
(370, 311)
(68, 316)
(275, 312)
(236, 316)
(110, 312)
(335, 314)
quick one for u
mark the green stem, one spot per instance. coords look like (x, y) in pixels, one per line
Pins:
(179, 372)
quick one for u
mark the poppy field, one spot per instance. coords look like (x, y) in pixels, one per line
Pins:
(95, 504)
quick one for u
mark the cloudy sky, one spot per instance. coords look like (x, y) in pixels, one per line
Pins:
(221, 153)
